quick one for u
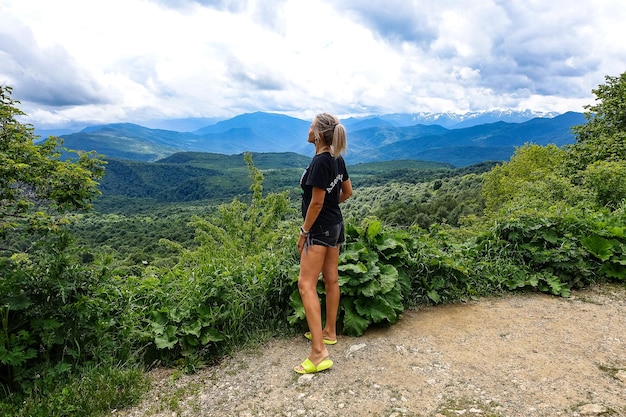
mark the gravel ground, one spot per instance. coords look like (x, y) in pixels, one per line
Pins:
(518, 355)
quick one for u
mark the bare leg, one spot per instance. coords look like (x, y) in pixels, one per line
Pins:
(311, 263)
(331, 283)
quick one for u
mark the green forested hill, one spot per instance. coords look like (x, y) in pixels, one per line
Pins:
(270, 160)
(196, 176)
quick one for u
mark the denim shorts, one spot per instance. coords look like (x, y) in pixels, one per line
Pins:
(330, 236)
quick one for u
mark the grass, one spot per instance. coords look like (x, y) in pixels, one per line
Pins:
(95, 392)
(610, 369)
(455, 407)
(612, 291)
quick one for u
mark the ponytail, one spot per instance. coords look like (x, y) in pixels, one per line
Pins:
(340, 141)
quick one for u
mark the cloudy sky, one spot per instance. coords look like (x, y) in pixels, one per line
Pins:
(102, 61)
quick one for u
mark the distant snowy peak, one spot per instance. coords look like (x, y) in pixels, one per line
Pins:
(456, 120)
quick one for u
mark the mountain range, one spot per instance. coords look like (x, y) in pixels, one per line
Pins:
(459, 140)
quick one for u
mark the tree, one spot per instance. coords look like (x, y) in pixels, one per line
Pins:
(603, 136)
(607, 182)
(531, 178)
(36, 187)
(42, 286)
(608, 116)
(597, 160)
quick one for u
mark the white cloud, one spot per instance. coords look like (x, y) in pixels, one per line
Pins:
(132, 60)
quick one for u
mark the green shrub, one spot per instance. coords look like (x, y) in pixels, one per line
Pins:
(93, 391)
(562, 250)
(440, 271)
(230, 289)
(373, 278)
(43, 325)
(606, 180)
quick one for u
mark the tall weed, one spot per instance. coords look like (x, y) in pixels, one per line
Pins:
(232, 287)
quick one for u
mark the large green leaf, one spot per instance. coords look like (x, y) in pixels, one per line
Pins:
(549, 235)
(372, 273)
(556, 286)
(613, 270)
(377, 309)
(205, 315)
(391, 248)
(369, 257)
(394, 298)
(353, 323)
(178, 315)
(374, 228)
(404, 280)
(344, 279)
(434, 296)
(521, 280)
(193, 328)
(599, 247)
(189, 341)
(617, 231)
(15, 302)
(371, 288)
(357, 268)
(298, 308)
(210, 335)
(352, 252)
(351, 230)
(388, 278)
(167, 339)
(387, 243)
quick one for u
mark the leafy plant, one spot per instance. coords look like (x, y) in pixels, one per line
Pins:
(41, 322)
(373, 278)
(563, 250)
(219, 292)
(607, 244)
(440, 272)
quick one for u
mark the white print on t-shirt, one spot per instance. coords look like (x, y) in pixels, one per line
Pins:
(303, 174)
(337, 179)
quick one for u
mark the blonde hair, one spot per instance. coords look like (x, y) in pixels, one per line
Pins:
(329, 129)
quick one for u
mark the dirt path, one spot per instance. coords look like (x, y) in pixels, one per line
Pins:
(521, 355)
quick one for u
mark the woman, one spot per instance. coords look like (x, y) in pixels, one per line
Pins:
(325, 184)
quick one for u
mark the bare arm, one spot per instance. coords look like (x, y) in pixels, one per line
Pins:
(317, 202)
(346, 191)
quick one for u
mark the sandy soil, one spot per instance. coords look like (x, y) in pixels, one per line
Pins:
(519, 355)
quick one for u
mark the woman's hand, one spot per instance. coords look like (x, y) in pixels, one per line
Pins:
(301, 242)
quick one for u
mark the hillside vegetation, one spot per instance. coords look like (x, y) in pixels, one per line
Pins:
(217, 178)
(182, 284)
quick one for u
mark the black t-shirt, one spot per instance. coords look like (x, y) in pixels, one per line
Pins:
(327, 173)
